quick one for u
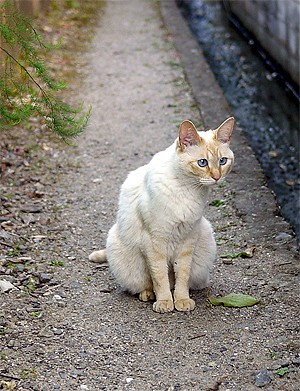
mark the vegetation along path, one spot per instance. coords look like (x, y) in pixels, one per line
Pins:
(65, 324)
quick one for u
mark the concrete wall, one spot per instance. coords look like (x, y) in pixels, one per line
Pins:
(275, 23)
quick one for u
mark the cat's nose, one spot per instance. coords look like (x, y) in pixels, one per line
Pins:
(216, 178)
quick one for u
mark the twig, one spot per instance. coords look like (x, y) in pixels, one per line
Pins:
(9, 376)
(6, 244)
(196, 336)
(284, 263)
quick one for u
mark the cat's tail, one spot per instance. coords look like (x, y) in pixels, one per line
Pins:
(98, 256)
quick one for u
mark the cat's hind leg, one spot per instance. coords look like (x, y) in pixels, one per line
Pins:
(146, 295)
(128, 265)
(203, 257)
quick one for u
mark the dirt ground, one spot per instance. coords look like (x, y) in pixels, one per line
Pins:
(64, 323)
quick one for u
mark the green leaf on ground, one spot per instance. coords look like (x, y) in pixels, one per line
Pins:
(234, 300)
(244, 254)
(281, 371)
(217, 203)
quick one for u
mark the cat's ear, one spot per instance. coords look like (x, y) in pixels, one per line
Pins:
(223, 132)
(188, 135)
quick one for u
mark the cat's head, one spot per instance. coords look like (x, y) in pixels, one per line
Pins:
(205, 156)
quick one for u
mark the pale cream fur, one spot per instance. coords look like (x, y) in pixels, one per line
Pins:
(161, 241)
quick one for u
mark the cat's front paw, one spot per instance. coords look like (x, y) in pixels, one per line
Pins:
(184, 304)
(163, 306)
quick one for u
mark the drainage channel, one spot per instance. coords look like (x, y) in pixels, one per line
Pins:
(262, 98)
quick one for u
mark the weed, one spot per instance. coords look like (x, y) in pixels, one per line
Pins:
(281, 371)
(36, 314)
(27, 373)
(57, 263)
(15, 251)
(217, 203)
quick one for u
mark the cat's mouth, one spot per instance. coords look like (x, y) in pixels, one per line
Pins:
(212, 181)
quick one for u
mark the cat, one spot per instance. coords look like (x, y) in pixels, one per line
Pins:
(161, 240)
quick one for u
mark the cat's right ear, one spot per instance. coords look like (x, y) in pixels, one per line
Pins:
(188, 135)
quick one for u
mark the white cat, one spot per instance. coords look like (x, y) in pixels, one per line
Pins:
(161, 241)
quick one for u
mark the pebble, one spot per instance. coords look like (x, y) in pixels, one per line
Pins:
(11, 343)
(45, 332)
(285, 363)
(283, 237)
(31, 208)
(57, 298)
(6, 286)
(262, 378)
(228, 261)
(44, 278)
(19, 268)
(105, 289)
(27, 219)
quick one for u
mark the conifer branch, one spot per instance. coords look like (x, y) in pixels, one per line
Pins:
(26, 87)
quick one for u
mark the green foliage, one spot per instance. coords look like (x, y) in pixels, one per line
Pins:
(57, 263)
(244, 254)
(281, 371)
(217, 203)
(26, 87)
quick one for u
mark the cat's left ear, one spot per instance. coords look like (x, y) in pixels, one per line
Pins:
(188, 135)
(223, 132)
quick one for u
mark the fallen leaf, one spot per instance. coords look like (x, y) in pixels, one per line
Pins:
(290, 183)
(234, 300)
(45, 147)
(273, 153)
(243, 254)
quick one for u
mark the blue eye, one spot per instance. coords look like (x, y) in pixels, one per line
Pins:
(223, 161)
(202, 163)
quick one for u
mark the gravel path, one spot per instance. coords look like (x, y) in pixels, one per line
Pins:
(79, 331)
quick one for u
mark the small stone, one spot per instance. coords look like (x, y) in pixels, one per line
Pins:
(296, 361)
(27, 219)
(11, 343)
(228, 261)
(3, 322)
(283, 237)
(262, 378)
(105, 289)
(19, 268)
(46, 333)
(31, 208)
(58, 332)
(6, 286)
(285, 363)
(44, 278)
(57, 298)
